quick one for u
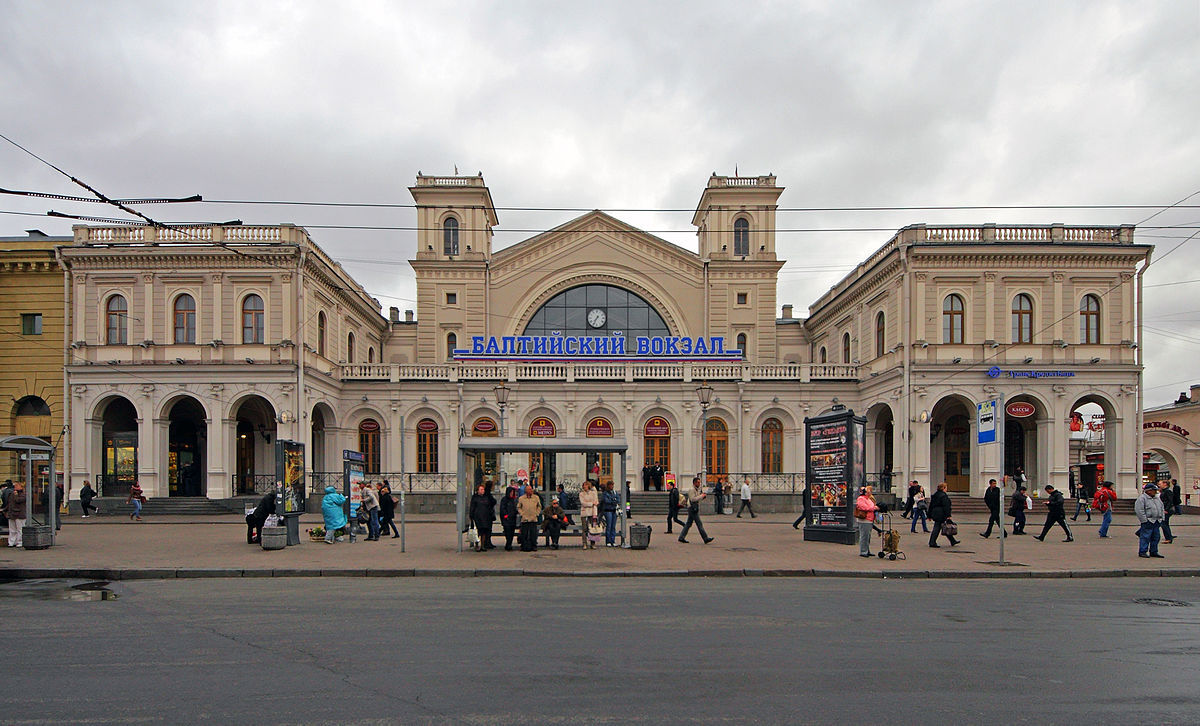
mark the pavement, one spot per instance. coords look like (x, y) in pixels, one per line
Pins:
(115, 548)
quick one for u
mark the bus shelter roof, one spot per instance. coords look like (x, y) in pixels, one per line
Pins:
(513, 444)
(25, 443)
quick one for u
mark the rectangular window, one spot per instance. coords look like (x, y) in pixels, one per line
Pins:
(452, 298)
(31, 323)
(742, 298)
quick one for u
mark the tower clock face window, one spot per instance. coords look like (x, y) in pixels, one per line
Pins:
(598, 310)
(596, 318)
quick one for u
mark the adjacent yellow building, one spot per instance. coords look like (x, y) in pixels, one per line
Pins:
(32, 336)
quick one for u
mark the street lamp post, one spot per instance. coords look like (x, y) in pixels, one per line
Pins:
(501, 392)
(704, 392)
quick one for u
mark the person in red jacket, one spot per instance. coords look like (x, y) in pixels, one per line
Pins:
(864, 515)
(1102, 502)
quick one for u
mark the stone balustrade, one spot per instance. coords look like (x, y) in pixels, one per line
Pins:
(620, 371)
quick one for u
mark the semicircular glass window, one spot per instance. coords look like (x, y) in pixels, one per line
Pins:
(598, 310)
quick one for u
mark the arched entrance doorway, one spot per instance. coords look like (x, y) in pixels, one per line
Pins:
(542, 466)
(716, 451)
(599, 465)
(487, 464)
(322, 421)
(254, 442)
(119, 444)
(1092, 437)
(187, 442)
(1025, 424)
(880, 431)
(656, 449)
(952, 456)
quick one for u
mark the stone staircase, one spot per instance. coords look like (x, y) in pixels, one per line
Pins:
(160, 506)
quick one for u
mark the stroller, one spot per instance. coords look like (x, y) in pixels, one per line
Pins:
(889, 536)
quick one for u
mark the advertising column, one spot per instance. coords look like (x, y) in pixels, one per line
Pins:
(833, 452)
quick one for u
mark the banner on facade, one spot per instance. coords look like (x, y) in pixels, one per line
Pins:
(542, 427)
(657, 426)
(596, 347)
(599, 427)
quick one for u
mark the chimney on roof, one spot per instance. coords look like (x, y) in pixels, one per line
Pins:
(408, 316)
(394, 314)
(1195, 393)
(787, 312)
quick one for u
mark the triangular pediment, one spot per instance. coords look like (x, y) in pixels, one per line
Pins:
(595, 237)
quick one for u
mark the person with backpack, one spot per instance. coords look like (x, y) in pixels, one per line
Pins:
(1020, 502)
(1102, 502)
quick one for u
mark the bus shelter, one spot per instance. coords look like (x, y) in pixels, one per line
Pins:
(34, 449)
(471, 448)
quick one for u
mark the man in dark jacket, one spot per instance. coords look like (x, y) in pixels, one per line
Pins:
(508, 516)
(939, 512)
(1168, 501)
(1055, 514)
(256, 519)
(1017, 510)
(992, 499)
(913, 488)
(672, 506)
(1177, 495)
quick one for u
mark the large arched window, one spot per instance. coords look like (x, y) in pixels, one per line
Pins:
(597, 310)
(321, 327)
(450, 236)
(349, 347)
(1022, 319)
(716, 450)
(116, 312)
(252, 319)
(952, 319)
(880, 334)
(772, 446)
(822, 356)
(1089, 320)
(185, 319)
(741, 237)
(656, 443)
(451, 345)
(427, 446)
(368, 444)
(845, 347)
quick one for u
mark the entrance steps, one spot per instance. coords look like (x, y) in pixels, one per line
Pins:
(160, 506)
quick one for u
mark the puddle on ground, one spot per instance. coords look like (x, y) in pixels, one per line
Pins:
(56, 590)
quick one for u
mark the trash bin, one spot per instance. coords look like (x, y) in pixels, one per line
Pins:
(639, 536)
(36, 537)
(274, 538)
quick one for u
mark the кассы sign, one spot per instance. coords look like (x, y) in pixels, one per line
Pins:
(1019, 409)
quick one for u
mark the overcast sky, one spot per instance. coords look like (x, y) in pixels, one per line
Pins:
(616, 105)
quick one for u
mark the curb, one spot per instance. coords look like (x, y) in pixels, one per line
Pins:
(152, 573)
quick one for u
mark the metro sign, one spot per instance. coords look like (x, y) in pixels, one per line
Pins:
(1019, 409)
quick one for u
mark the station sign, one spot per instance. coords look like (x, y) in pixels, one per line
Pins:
(596, 347)
(542, 427)
(987, 422)
(600, 427)
(657, 426)
(1020, 409)
(997, 372)
(1166, 426)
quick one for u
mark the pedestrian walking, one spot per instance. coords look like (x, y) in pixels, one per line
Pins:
(370, 502)
(920, 510)
(137, 499)
(745, 496)
(482, 513)
(673, 496)
(1102, 502)
(991, 498)
(718, 500)
(939, 511)
(529, 508)
(1083, 503)
(610, 502)
(553, 521)
(86, 495)
(387, 511)
(1020, 478)
(864, 516)
(14, 512)
(1055, 514)
(1150, 511)
(1166, 496)
(1176, 495)
(1016, 510)
(508, 516)
(803, 508)
(694, 496)
(910, 502)
(333, 513)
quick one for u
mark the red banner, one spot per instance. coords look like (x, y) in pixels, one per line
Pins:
(1020, 409)
(427, 424)
(657, 427)
(599, 426)
(543, 427)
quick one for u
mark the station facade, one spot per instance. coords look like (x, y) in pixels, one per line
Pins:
(195, 349)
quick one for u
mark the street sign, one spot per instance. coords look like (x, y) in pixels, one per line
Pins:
(987, 422)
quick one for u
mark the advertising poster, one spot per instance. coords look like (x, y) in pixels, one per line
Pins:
(353, 475)
(289, 458)
(834, 469)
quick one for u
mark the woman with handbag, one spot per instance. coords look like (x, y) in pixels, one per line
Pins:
(387, 509)
(939, 512)
(136, 498)
(589, 504)
(481, 510)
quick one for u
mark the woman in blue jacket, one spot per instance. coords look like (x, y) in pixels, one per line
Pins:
(331, 509)
(609, 503)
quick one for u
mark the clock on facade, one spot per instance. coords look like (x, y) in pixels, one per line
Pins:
(596, 318)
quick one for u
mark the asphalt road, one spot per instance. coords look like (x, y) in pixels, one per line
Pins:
(628, 650)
